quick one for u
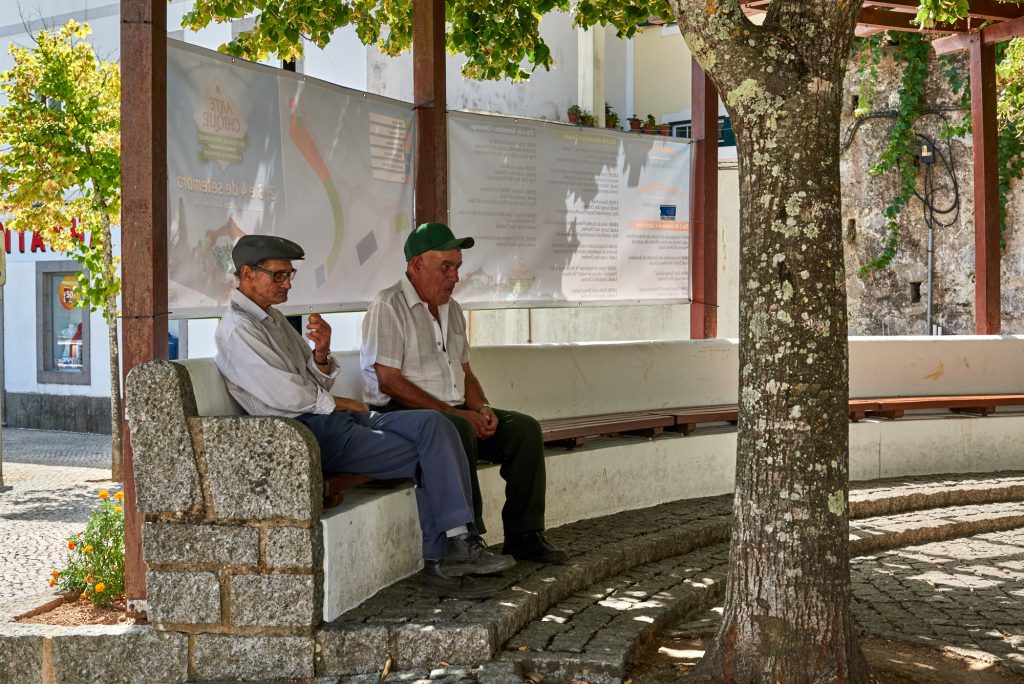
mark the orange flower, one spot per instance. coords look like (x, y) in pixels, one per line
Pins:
(119, 496)
(104, 494)
(117, 509)
(53, 582)
(55, 573)
(71, 544)
(100, 586)
(88, 579)
(82, 596)
(88, 548)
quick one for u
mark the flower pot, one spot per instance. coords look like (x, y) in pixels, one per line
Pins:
(663, 129)
(634, 123)
(574, 117)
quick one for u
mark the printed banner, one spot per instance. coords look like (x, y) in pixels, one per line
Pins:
(568, 215)
(256, 150)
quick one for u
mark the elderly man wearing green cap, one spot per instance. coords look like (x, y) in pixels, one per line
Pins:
(415, 355)
(270, 370)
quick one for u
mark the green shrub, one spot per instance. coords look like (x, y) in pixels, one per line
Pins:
(95, 567)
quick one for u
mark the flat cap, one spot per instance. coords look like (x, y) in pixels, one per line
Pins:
(252, 249)
(428, 237)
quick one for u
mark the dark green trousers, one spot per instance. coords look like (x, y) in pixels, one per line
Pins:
(518, 448)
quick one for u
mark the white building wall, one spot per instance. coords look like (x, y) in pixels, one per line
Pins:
(347, 62)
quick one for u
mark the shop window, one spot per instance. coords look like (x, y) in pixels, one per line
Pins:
(726, 137)
(62, 326)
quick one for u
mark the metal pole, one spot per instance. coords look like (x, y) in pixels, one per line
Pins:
(928, 315)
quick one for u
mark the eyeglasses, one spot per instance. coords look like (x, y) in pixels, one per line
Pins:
(278, 276)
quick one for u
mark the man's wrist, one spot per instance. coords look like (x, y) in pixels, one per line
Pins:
(325, 362)
(481, 407)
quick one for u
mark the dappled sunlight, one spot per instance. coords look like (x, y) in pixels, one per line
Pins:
(682, 654)
(965, 580)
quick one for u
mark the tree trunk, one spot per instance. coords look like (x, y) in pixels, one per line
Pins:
(787, 608)
(110, 313)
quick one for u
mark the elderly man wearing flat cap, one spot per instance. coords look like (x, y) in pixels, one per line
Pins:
(271, 370)
(415, 355)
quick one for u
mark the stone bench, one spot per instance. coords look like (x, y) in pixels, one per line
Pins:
(240, 550)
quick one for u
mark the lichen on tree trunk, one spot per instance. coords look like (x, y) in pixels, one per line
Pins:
(787, 615)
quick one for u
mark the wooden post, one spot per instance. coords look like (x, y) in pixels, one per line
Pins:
(986, 187)
(704, 207)
(430, 98)
(143, 226)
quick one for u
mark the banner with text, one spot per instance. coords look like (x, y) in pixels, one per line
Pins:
(257, 150)
(568, 215)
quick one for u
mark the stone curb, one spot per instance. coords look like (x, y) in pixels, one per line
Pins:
(484, 627)
(608, 656)
(870, 535)
(874, 499)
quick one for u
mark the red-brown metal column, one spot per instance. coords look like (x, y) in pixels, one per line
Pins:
(143, 224)
(430, 99)
(986, 188)
(704, 207)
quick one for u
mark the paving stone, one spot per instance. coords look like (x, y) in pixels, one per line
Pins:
(21, 659)
(292, 547)
(165, 543)
(159, 393)
(183, 597)
(224, 656)
(274, 601)
(136, 655)
(262, 469)
(352, 651)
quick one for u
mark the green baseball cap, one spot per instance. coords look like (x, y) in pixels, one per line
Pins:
(430, 237)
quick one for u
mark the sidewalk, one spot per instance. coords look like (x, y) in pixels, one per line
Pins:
(51, 480)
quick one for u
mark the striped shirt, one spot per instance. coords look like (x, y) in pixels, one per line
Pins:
(267, 365)
(398, 331)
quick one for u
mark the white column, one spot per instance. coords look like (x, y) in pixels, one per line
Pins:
(590, 80)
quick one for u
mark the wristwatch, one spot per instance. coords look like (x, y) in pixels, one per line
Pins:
(482, 407)
(326, 361)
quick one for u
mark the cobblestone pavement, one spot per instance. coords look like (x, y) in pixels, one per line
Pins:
(964, 595)
(50, 484)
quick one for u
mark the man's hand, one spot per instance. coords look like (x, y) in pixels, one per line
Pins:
(320, 334)
(492, 421)
(346, 404)
(479, 422)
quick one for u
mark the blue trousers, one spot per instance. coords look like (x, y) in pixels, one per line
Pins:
(422, 445)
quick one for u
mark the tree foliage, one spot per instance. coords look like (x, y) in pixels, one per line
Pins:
(501, 38)
(60, 151)
(60, 168)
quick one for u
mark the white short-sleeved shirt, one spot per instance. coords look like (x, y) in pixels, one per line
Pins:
(398, 331)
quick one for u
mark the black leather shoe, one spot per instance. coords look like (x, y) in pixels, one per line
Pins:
(468, 555)
(434, 578)
(532, 546)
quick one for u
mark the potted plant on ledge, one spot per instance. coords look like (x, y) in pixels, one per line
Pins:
(611, 118)
(574, 113)
(649, 123)
(634, 123)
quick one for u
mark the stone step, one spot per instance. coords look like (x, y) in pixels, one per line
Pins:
(596, 634)
(418, 630)
(869, 535)
(900, 495)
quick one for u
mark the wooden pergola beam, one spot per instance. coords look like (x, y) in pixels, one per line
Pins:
(990, 35)
(704, 206)
(143, 228)
(986, 187)
(889, 20)
(429, 87)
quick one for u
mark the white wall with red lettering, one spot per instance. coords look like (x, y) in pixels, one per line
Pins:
(24, 252)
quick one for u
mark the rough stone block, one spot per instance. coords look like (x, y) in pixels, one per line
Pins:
(352, 651)
(158, 400)
(262, 468)
(187, 543)
(21, 659)
(426, 645)
(225, 656)
(87, 655)
(274, 601)
(191, 598)
(291, 547)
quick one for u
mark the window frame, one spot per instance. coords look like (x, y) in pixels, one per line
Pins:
(45, 270)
